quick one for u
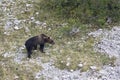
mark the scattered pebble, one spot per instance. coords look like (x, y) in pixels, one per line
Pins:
(80, 65)
(93, 67)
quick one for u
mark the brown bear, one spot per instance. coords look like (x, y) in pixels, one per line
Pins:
(33, 42)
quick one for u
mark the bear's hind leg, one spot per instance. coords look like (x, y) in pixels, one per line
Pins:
(29, 51)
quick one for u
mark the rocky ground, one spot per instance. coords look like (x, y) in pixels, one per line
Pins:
(108, 72)
(109, 44)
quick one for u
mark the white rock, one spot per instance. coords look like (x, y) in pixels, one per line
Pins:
(16, 28)
(17, 22)
(8, 25)
(32, 18)
(93, 67)
(71, 70)
(16, 77)
(74, 31)
(37, 13)
(68, 59)
(49, 29)
(6, 33)
(27, 29)
(38, 22)
(44, 24)
(62, 61)
(80, 65)
(28, 5)
(69, 42)
(68, 64)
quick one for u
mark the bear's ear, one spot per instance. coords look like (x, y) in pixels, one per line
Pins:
(43, 35)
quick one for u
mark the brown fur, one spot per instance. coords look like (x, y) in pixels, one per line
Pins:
(31, 43)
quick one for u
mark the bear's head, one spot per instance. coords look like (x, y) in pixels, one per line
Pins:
(47, 39)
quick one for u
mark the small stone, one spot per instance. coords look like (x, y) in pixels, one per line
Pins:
(17, 22)
(68, 64)
(6, 33)
(68, 59)
(38, 22)
(32, 18)
(61, 51)
(62, 61)
(74, 31)
(93, 67)
(69, 42)
(28, 5)
(80, 65)
(37, 13)
(26, 29)
(16, 77)
(71, 70)
(16, 28)
(49, 29)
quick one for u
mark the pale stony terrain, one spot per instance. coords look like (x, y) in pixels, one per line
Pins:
(108, 43)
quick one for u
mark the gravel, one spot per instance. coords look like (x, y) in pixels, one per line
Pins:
(110, 41)
(109, 44)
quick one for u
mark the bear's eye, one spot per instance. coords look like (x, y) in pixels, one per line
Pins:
(48, 37)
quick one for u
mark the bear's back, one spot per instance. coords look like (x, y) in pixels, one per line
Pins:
(31, 40)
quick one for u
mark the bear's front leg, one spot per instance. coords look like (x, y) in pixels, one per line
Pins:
(35, 47)
(42, 48)
(29, 54)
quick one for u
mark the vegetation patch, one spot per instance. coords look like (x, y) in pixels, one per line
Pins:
(71, 52)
